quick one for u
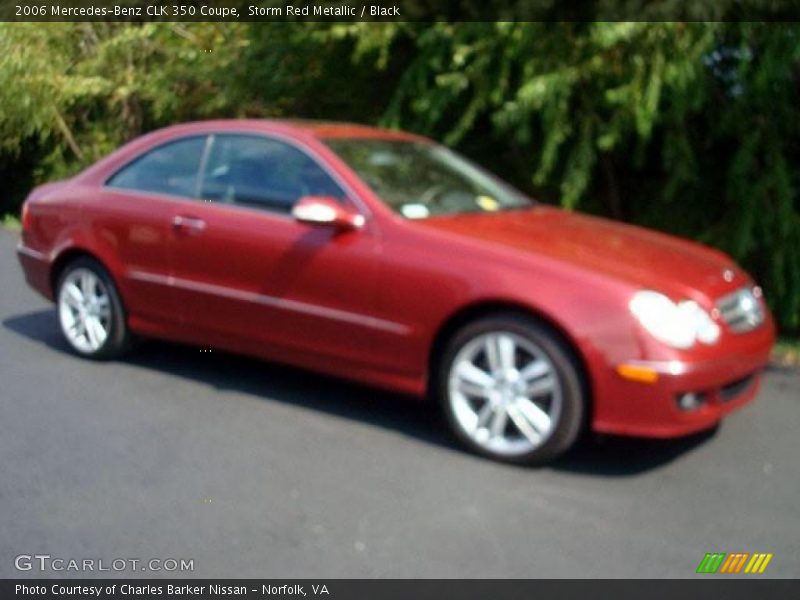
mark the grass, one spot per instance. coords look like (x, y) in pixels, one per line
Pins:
(787, 352)
(10, 222)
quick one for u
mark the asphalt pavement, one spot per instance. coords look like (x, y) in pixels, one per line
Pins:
(256, 470)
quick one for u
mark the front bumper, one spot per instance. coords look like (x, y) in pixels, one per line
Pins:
(650, 409)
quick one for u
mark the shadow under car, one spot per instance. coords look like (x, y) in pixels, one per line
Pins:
(595, 455)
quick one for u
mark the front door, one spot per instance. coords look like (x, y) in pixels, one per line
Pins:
(245, 273)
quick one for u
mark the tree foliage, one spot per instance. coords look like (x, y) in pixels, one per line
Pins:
(688, 127)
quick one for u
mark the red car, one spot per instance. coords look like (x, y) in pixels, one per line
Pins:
(382, 257)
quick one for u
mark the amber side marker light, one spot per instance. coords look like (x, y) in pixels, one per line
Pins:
(638, 373)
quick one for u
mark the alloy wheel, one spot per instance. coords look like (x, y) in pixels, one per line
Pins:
(84, 309)
(505, 393)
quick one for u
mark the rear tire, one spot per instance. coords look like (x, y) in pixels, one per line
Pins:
(511, 389)
(90, 310)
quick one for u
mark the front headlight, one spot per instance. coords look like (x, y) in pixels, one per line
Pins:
(678, 325)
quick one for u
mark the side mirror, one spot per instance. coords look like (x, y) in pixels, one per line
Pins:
(326, 210)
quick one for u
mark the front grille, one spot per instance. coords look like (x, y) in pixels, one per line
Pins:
(741, 310)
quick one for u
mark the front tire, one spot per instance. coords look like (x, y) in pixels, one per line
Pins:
(512, 390)
(90, 310)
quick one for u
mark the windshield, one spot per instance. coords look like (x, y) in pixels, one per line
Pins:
(419, 180)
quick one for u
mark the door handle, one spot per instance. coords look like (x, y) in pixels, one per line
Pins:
(185, 223)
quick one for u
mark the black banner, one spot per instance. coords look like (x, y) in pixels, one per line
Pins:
(398, 10)
(401, 589)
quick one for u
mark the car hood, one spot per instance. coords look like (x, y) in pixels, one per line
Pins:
(639, 256)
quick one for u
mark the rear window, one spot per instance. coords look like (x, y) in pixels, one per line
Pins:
(169, 169)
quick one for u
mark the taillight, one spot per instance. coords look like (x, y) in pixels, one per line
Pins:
(26, 217)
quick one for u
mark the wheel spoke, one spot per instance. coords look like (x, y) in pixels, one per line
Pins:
(537, 417)
(88, 284)
(93, 324)
(492, 353)
(91, 333)
(475, 376)
(103, 307)
(486, 411)
(500, 352)
(77, 327)
(523, 425)
(470, 389)
(534, 370)
(540, 387)
(499, 421)
(72, 304)
(72, 295)
(507, 351)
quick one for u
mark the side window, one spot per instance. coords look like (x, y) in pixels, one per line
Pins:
(169, 169)
(263, 173)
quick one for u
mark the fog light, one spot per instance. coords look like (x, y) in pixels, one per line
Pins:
(690, 400)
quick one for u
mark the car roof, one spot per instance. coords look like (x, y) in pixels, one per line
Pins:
(317, 129)
(335, 129)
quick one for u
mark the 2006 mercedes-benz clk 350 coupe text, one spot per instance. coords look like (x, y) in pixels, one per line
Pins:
(382, 257)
